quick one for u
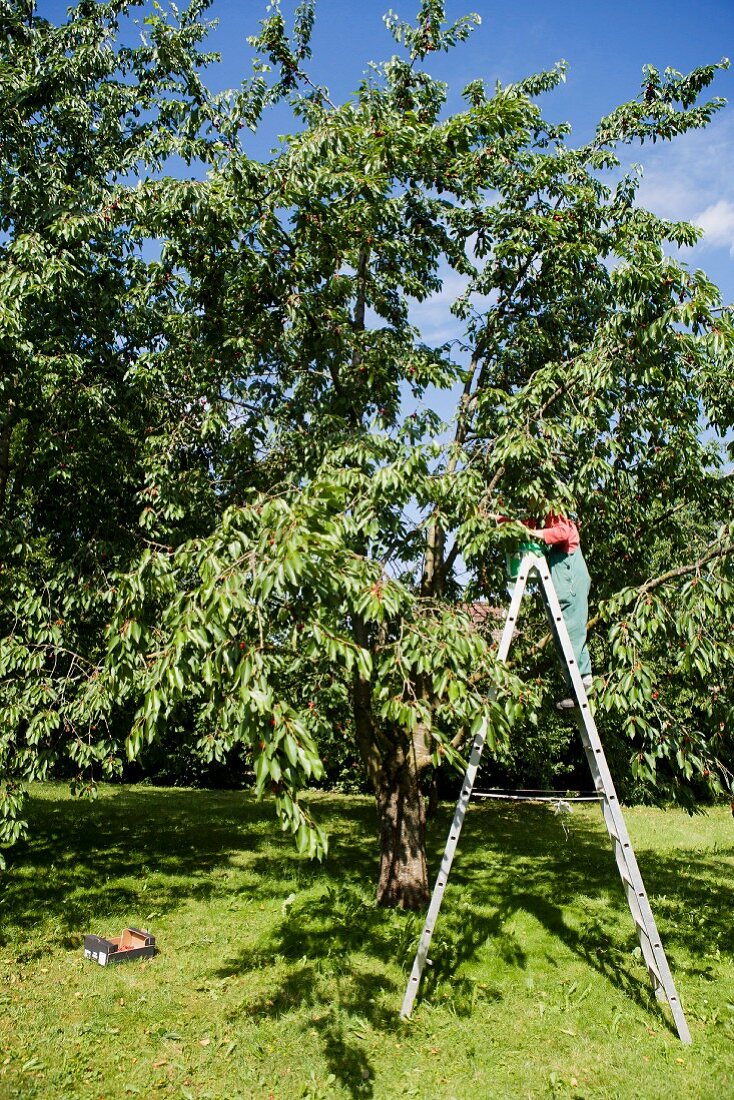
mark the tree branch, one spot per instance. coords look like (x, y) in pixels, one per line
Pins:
(715, 550)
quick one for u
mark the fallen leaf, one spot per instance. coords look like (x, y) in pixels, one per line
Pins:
(204, 1042)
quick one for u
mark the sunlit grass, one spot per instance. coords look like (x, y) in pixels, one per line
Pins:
(277, 977)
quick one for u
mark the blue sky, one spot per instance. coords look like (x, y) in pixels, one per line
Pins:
(605, 45)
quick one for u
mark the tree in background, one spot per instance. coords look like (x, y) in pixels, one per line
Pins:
(325, 471)
(83, 118)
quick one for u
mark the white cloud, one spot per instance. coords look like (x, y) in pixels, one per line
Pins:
(717, 222)
(692, 179)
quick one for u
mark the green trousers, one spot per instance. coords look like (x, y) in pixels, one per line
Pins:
(571, 582)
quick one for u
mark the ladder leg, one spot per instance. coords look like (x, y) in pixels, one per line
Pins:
(623, 853)
(652, 949)
(421, 957)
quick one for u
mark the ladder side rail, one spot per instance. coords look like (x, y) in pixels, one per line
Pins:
(623, 867)
(645, 929)
(619, 833)
(421, 956)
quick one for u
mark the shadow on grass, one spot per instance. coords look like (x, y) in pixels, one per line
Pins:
(342, 1021)
(522, 859)
(510, 861)
(85, 860)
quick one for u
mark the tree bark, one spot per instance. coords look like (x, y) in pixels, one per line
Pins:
(403, 879)
(394, 772)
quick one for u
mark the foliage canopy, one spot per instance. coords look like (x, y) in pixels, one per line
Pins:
(235, 476)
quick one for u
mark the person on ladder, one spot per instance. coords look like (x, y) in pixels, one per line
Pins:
(571, 582)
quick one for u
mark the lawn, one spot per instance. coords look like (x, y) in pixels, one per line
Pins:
(278, 978)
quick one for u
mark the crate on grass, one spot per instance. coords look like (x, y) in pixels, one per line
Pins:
(133, 943)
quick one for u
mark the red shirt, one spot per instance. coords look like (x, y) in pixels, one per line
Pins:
(560, 532)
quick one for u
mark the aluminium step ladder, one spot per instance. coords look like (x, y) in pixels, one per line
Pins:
(652, 949)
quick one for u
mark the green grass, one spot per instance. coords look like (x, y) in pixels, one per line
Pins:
(279, 978)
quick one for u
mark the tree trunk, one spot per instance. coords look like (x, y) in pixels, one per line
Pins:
(403, 880)
(395, 777)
